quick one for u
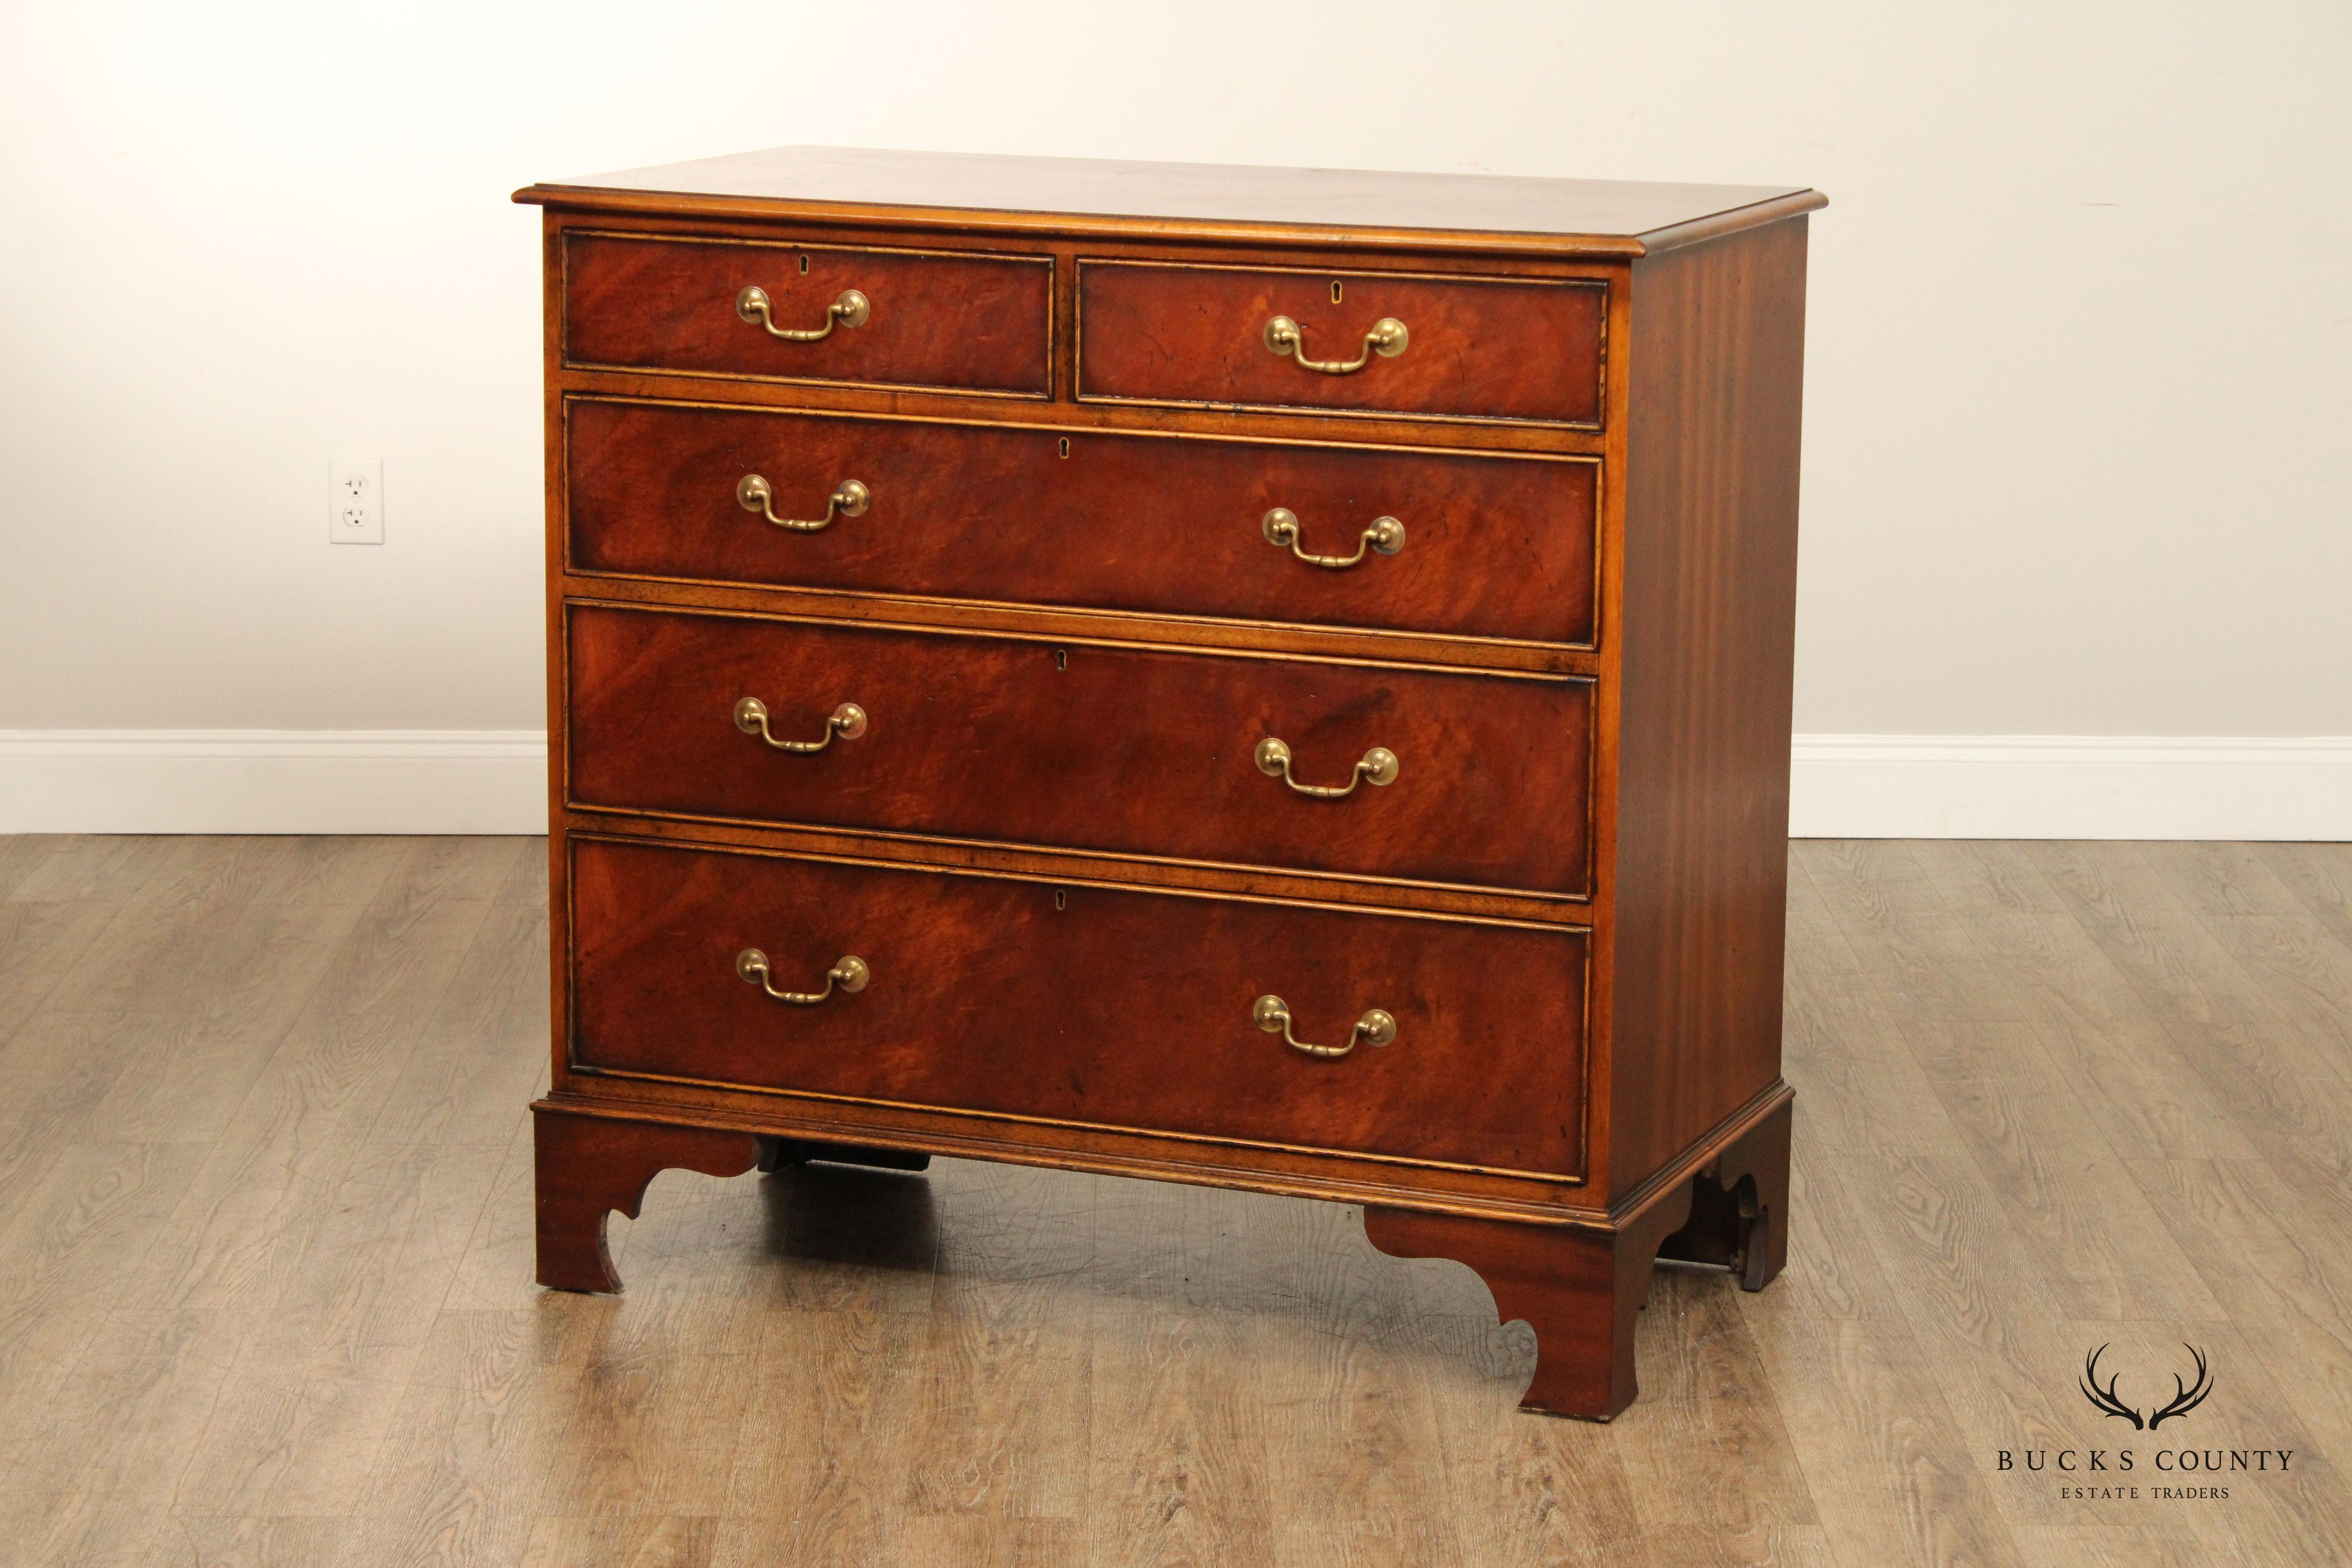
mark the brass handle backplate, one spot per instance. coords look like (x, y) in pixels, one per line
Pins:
(1385, 534)
(850, 973)
(849, 722)
(849, 498)
(1376, 1027)
(852, 309)
(1379, 766)
(1387, 338)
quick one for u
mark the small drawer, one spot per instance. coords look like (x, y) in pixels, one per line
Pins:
(1119, 750)
(1508, 349)
(1440, 543)
(1083, 1004)
(951, 321)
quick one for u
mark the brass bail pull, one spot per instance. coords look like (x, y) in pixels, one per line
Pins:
(1376, 1027)
(1379, 766)
(850, 973)
(849, 498)
(1387, 338)
(1280, 526)
(851, 310)
(849, 722)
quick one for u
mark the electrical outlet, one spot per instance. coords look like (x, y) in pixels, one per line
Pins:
(355, 501)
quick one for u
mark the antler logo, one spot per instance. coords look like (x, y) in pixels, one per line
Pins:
(2184, 1398)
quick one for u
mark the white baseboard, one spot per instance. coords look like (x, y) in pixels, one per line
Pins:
(1844, 787)
(2071, 786)
(273, 780)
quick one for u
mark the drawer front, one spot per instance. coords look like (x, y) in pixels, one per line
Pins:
(1116, 750)
(1515, 350)
(1085, 1004)
(1497, 547)
(953, 321)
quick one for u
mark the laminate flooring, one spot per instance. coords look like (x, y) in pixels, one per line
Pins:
(265, 1287)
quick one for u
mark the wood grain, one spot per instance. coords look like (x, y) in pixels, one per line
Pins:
(1484, 349)
(1495, 547)
(1130, 1009)
(964, 323)
(1078, 746)
(1702, 706)
(952, 189)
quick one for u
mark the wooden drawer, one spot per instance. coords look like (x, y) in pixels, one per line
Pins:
(1521, 350)
(956, 320)
(1116, 750)
(1497, 547)
(1084, 1004)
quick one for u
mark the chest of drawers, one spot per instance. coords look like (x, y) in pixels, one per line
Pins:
(1273, 678)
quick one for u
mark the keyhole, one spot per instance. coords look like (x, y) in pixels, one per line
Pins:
(1066, 446)
(804, 273)
(1061, 659)
(1061, 897)
(1335, 285)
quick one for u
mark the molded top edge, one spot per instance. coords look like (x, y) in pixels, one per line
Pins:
(1600, 217)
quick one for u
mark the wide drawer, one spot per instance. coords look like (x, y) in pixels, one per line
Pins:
(1085, 1004)
(1484, 546)
(1082, 746)
(1525, 350)
(951, 320)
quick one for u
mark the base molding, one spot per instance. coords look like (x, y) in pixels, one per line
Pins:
(966, 1136)
(1579, 1286)
(2071, 786)
(273, 780)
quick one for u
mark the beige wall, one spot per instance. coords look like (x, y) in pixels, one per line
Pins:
(2077, 458)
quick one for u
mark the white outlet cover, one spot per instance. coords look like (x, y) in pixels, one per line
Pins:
(355, 501)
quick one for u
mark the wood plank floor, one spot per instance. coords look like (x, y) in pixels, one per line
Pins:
(266, 1299)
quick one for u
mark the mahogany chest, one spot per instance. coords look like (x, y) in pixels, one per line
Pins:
(1276, 678)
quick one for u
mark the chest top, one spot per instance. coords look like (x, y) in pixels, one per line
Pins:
(1238, 202)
